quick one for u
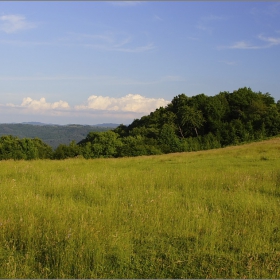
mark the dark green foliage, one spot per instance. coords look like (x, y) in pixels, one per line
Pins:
(138, 146)
(63, 151)
(102, 144)
(121, 130)
(168, 140)
(12, 147)
(203, 122)
(190, 119)
(44, 150)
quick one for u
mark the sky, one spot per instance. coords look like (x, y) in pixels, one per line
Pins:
(90, 62)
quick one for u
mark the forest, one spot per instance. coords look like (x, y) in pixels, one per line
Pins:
(186, 124)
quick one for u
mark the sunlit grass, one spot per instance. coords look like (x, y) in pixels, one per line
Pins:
(210, 214)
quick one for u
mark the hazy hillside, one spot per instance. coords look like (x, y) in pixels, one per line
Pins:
(51, 134)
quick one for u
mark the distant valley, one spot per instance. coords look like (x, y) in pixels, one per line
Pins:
(52, 134)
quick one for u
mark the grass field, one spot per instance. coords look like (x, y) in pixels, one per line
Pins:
(209, 214)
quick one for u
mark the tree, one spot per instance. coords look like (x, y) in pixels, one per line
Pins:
(44, 151)
(215, 113)
(63, 151)
(29, 150)
(178, 102)
(138, 146)
(190, 118)
(102, 144)
(122, 130)
(168, 140)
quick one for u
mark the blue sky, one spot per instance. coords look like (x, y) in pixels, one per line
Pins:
(95, 62)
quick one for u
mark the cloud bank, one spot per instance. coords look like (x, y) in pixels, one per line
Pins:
(129, 103)
(43, 105)
(37, 107)
(127, 107)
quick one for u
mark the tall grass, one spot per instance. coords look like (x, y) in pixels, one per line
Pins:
(210, 214)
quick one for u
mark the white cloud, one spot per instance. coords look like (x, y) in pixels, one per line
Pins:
(270, 40)
(108, 41)
(103, 108)
(245, 45)
(14, 23)
(129, 103)
(40, 105)
(118, 44)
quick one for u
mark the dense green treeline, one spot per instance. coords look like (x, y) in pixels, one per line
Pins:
(194, 123)
(11, 147)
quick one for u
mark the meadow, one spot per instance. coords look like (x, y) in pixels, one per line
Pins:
(207, 214)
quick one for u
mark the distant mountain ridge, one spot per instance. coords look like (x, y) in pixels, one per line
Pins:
(35, 123)
(52, 134)
(111, 125)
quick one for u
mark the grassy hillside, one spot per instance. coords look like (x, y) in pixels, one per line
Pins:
(52, 135)
(209, 214)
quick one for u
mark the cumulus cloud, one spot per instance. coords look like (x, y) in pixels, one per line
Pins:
(129, 103)
(41, 104)
(96, 109)
(14, 23)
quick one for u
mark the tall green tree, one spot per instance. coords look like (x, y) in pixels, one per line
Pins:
(190, 119)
